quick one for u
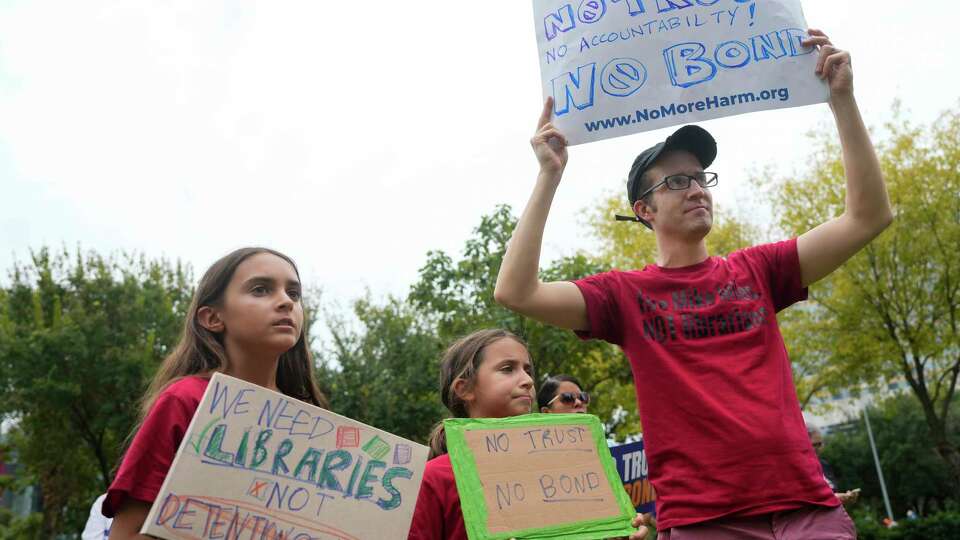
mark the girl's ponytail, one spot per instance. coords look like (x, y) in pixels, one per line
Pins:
(437, 441)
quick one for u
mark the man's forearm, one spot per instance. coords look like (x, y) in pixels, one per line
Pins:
(518, 277)
(866, 200)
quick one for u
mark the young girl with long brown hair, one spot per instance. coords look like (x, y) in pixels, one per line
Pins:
(246, 320)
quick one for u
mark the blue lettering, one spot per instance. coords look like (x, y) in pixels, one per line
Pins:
(622, 77)
(732, 54)
(591, 11)
(574, 89)
(670, 5)
(221, 398)
(686, 64)
(794, 36)
(768, 46)
(561, 21)
(634, 7)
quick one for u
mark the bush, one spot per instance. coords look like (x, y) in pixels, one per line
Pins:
(19, 528)
(941, 526)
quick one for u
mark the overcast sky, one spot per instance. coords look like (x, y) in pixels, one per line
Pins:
(354, 136)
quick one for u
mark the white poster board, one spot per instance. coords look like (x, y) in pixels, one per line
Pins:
(616, 67)
(257, 464)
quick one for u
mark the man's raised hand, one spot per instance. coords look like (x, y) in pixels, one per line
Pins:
(549, 145)
(833, 64)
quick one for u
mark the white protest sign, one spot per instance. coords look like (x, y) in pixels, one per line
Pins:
(616, 67)
(257, 464)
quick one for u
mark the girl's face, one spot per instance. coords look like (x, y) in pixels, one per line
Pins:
(562, 403)
(261, 310)
(504, 384)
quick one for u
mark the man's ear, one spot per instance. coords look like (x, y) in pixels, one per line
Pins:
(464, 390)
(544, 409)
(209, 318)
(644, 211)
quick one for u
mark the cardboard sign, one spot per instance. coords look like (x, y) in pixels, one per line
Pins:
(631, 463)
(537, 476)
(616, 67)
(258, 464)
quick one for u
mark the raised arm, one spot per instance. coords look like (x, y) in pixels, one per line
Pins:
(867, 208)
(519, 288)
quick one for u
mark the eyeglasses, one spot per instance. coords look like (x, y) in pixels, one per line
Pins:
(569, 398)
(682, 181)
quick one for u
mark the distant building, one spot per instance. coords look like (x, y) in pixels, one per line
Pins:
(25, 501)
(842, 411)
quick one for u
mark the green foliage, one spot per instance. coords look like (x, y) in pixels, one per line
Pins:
(893, 311)
(20, 528)
(80, 335)
(386, 374)
(457, 297)
(915, 475)
(940, 526)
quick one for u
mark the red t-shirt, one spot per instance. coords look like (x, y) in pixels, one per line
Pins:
(151, 453)
(722, 425)
(437, 515)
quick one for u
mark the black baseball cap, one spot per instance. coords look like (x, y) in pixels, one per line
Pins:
(693, 139)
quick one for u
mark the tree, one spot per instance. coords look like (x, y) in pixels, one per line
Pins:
(385, 374)
(893, 311)
(456, 297)
(80, 334)
(914, 474)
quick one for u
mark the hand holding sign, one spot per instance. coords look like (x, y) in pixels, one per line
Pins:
(833, 64)
(549, 145)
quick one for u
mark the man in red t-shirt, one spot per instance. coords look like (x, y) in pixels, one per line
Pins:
(727, 446)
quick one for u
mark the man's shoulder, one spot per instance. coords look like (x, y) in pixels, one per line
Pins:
(763, 249)
(621, 274)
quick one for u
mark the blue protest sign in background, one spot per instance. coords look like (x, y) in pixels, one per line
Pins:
(632, 466)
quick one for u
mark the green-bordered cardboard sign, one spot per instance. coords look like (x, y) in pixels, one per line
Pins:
(537, 476)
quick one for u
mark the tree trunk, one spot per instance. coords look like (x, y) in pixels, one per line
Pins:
(951, 456)
(51, 503)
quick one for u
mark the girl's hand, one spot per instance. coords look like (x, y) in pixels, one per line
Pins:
(549, 145)
(833, 64)
(642, 522)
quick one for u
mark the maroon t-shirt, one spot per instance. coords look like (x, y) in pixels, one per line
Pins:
(151, 453)
(437, 515)
(722, 425)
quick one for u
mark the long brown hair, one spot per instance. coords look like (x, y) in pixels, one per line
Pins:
(462, 360)
(201, 351)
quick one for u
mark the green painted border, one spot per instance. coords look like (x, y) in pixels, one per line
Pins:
(474, 505)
